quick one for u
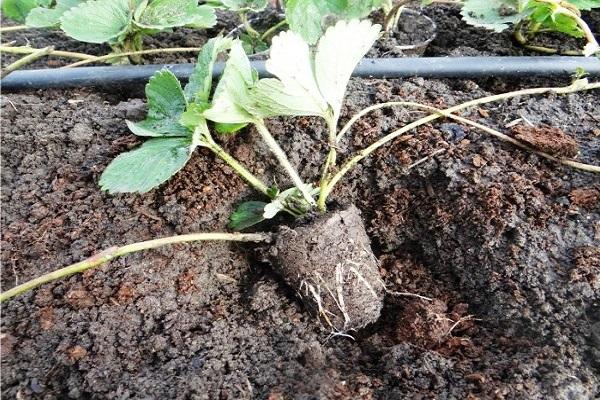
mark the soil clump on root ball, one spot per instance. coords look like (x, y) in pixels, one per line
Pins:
(330, 264)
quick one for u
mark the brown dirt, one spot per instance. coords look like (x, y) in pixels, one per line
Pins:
(330, 264)
(548, 139)
(504, 242)
(505, 239)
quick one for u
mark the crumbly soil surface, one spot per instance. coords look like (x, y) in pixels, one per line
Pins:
(330, 264)
(505, 243)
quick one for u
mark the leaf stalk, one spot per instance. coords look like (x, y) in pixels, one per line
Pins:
(283, 160)
(115, 252)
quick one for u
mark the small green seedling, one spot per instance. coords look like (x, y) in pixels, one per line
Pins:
(122, 24)
(532, 17)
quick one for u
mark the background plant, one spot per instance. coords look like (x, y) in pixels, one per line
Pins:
(531, 17)
(122, 24)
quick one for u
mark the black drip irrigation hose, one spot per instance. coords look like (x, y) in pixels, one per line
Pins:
(427, 67)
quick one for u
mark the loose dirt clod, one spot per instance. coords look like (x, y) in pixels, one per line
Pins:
(547, 139)
(330, 264)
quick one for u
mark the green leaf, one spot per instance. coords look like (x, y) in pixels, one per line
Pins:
(306, 17)
(17, 10)
(162, 14)
(200, 83)
(42, 17)
(338, 53)
(310, 18)
(166, 104)
(585, 5)
(496, 15)
(229, 128)
(272, 98)
(296, 92)
(312, 85)
(97, 21)
(231, 99)
(142, 169)
(204, 17)
(246, 215)
(245, 5)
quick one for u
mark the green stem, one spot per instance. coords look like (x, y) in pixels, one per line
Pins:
(13, 28)
(575, 87)
(239, 168)
(129, 53)
(329, 163)
(28, 59)
(283, 160)
(114, 252)
(272, 30)
(248, 26)
(58, 53)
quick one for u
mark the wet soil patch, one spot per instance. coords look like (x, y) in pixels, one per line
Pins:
(505, 243)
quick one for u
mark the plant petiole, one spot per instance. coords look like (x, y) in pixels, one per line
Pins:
(283, 160)
(272, 30)
(115, 252)
(208, 142)
(58, 53)
(248, 26)
(329, 162)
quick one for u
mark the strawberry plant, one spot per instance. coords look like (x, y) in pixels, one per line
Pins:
(310, 18)
(122, 24)
(532, 17)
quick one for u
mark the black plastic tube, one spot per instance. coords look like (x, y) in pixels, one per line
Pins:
(428, 67)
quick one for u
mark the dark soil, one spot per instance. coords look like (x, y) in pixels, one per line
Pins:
(330, 264)
(410, 37)
(505, 243)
